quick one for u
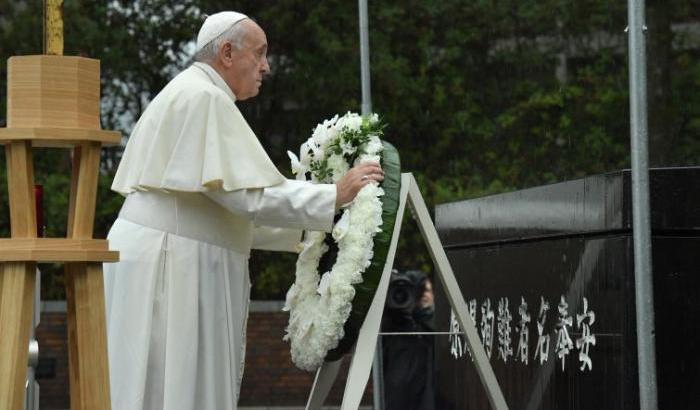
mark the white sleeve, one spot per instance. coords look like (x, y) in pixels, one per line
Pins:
(291, 204)
(276, 239)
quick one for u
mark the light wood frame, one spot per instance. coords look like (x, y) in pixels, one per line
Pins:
(81, 254)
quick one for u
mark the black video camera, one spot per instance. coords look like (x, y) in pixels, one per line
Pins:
(405, 291)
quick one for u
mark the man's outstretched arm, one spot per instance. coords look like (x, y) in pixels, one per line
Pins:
(298, 204)
(282, 211)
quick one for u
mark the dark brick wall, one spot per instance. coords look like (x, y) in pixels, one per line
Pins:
(52, 372)
(270, 378)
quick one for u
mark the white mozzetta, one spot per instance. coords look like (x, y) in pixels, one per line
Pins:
(193, 138)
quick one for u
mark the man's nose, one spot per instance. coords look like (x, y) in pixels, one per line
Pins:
(265, 66)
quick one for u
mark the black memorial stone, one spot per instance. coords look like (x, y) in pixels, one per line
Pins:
(573, 240)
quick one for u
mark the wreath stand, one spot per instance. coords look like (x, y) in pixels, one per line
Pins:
(363, 354)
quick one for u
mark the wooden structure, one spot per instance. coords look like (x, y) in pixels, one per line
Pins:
(53, 101)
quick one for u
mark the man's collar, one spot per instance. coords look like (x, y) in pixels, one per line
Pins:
(215, 78)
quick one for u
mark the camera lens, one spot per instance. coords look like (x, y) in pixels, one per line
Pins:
(402, 295)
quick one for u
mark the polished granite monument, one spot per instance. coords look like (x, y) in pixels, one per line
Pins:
(548, 275)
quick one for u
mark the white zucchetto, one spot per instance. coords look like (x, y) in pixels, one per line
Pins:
(215, 25)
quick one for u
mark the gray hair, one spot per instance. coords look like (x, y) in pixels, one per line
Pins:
(234, 35)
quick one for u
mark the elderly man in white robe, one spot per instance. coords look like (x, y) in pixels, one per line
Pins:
(200, 193)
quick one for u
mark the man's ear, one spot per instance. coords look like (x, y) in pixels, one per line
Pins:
(226, 54)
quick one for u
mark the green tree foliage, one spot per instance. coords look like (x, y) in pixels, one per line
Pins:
(480, 96)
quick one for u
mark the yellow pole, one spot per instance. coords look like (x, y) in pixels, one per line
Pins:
(53, 27)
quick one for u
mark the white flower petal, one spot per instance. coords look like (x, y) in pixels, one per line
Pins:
(297, 168)
(341, 227)
(315, 148)
(324, 284)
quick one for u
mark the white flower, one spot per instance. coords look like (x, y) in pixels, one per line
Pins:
(367, 158)
(291, 299)
(297, 168)
(332, 133)
(304, 155)
(324, 284)
(347, 147)
(338, 165)
(341, 227)
(330, 123)
(374, 145)
(353, 122)
(350, 120)
(321, 136)
(315, 148)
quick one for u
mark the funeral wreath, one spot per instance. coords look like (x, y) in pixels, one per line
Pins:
(337, 274)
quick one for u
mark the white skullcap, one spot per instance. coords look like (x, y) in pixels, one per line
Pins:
(215, 25)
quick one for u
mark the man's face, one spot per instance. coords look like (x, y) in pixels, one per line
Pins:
(249, 64)
(426, 299)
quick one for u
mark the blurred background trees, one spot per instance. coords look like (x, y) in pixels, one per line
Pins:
(480, 96)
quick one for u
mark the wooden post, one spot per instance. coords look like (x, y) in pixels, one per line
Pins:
(17, 295)
(87, 333)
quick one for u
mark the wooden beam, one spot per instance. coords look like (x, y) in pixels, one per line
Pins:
(16, 311)
(59, 137)
(87, 332)
(86, 192)
(20, 186)
(56, 250)
(18, 279)
(75, 172)
(87, 337)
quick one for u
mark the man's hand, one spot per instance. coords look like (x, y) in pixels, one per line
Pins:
(351, 183)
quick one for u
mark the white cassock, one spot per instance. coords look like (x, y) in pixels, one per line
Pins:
(201, 192)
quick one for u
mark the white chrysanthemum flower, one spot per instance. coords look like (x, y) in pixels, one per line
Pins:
(297, 168)
(338, 165)
(353, 122)
(304, 155)
(332, 133)
(341, 227)
(319, 135)
(324, 284)
(347, 147)
(374, 145)
(340, 122)
(315, 148)
(330, 123)
(362, 159)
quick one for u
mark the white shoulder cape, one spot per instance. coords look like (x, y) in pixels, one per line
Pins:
(193, 138)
